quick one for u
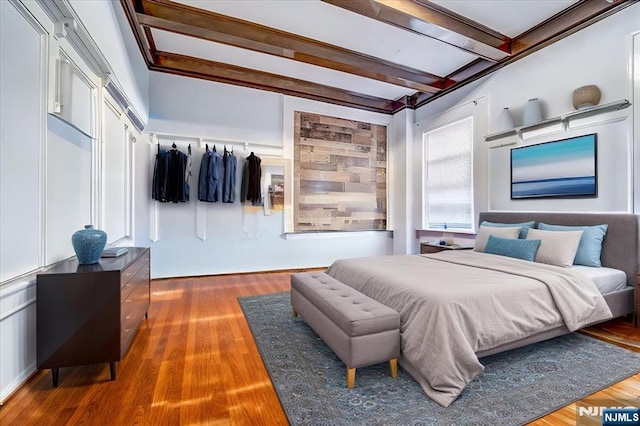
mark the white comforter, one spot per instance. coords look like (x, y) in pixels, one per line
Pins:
(456, 303)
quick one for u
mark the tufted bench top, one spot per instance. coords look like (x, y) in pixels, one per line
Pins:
(355, 313)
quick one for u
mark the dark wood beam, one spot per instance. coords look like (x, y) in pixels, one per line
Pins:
(224, 73)
(186, 20)
(431, 20)
(563, 24)
(138, 31)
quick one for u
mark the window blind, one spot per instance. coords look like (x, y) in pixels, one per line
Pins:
(448, 170)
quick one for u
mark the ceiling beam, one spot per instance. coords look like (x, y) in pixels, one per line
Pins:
(138, 31)
(239, 76)
(190, 21)
(568, 21)
(431, 20)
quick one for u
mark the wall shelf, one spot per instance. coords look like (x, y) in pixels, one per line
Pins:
(552, 123)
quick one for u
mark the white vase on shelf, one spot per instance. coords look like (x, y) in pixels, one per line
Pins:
(532, 112)
(505, 121)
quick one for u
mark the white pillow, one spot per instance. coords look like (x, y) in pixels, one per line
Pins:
(557, 248)
(485, 231)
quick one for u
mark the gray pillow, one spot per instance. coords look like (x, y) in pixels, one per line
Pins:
(590, 245)
(523, 232)
(485, 231)
(556, 248)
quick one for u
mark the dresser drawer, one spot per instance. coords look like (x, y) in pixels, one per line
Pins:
(132, 312)
(139, 296)
(132, 270)
(140, 278)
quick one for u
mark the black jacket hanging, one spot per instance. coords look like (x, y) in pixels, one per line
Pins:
(171, 176)
(160, 169)
(230, 162)
(251, 175)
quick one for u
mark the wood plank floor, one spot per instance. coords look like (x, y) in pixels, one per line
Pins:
(194, 362)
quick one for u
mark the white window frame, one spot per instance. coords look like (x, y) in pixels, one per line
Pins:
(478, 109)
(128, 137)
(425, 182)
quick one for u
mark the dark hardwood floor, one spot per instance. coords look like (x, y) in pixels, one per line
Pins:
(194, 362)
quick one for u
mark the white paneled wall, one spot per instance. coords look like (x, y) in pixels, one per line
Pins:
(22, 108)
(23, 71)
(51, 181)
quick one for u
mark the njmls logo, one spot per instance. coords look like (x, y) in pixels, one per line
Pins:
(621, 417)
(598, 411)
(607, 412)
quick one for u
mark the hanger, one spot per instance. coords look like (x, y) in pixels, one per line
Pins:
(158, 148)
(214, 148)
(189, 149)
(206, 147)
(173, 145)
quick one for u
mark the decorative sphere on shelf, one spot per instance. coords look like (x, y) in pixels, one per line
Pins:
(586, 96)
(88, 244)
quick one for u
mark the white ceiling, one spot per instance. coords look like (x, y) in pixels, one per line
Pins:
(443, 55)
(512, 17)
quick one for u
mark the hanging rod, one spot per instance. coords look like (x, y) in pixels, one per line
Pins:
(203, 140)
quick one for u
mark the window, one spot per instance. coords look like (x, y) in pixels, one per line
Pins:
(116, 156)
(447, 182)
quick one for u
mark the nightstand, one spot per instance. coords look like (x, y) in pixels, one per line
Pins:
(636, 316)
(426, 248)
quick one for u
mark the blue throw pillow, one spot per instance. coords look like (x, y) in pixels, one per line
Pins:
(520, 249)
(523, 232)
(590, 246)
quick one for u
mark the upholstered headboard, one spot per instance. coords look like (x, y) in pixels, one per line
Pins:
(620, 245)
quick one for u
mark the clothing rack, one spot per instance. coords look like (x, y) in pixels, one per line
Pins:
(173, 146)
(261, 149)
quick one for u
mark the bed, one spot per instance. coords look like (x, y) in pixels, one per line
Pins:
(458, 306)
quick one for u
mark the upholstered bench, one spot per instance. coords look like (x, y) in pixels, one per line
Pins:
(360, 330)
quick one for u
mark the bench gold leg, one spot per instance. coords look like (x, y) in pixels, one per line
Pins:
(393, 366)
(295, 313)
(351, 377)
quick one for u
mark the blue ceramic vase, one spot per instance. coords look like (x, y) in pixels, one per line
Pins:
(88, 244)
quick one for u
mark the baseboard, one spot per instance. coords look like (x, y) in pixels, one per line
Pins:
(17, 382)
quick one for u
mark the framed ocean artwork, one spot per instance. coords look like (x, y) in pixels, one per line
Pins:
(562, 168)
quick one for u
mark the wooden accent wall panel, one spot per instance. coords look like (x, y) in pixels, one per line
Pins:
(340, 174)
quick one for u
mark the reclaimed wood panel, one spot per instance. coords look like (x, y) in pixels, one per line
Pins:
(340, 174)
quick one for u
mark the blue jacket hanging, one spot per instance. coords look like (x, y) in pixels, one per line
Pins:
(210, 177)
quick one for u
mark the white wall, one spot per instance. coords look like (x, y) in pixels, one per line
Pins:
(400, 182)
(108, 26)
(22, 135)
(49, 170)
(600, 54)
(68, 187)
(238, 238)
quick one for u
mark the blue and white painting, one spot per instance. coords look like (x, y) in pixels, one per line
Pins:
(564, 168)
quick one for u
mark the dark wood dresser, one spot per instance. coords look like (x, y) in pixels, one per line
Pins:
(88, 314)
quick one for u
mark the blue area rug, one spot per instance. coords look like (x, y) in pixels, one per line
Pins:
(516, 386)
